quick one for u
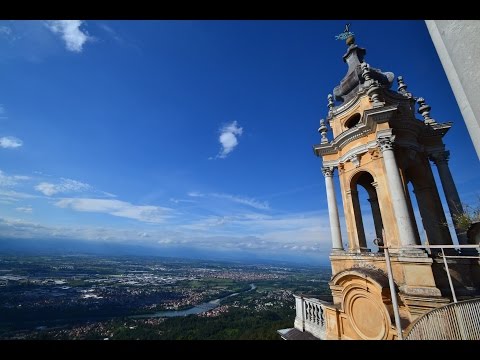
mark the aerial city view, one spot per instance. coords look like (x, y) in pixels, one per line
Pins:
(239, 180)
(93, 297)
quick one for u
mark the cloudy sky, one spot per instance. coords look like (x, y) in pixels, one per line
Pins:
(189, 134)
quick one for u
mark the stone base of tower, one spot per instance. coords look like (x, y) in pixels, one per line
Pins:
(362, 307)
(361, 294)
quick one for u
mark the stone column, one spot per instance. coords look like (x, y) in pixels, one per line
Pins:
(406, 231)
(440, 159)
(333, 210)
(412, 215)
(433, 220)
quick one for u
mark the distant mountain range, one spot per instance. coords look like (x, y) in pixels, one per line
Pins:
(66, 247)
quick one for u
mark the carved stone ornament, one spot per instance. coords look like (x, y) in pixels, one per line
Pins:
(385, 143)
(374, 153)
(424, 110)
(327, 171)
(402, 87)
(355, 160)
(323, 131)
(440, 157)
(330, 105)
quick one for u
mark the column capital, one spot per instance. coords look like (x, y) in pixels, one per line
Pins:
(418, 190)
(328, 171)
(386, 143)
(440, 157)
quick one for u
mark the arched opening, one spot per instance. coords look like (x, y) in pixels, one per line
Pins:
(366, 211)
(352, 120)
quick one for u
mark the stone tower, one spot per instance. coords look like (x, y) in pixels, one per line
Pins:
(379, 144)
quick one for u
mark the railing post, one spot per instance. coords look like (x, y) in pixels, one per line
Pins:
(393, 294)
(448, 275)
(303, 314)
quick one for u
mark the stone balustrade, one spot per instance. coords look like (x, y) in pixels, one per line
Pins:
(310, 315)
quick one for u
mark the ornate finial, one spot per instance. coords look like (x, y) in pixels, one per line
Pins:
(323, 132)
(372, 85)
(366, 71)
(402, 87)
(346, 35)
(424, 110)
(330, 105)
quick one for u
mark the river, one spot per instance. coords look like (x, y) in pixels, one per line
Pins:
(206, 306)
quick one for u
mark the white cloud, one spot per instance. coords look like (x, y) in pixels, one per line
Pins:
(70, 32)
(145, 213)
(11, 195)
(300, 234)
(7, 33)
(66, 185)
(111, 32)
(25, 209)
(107, 194)
(10, 142)
(195, 194)
(261, 205)
(178, 201)
(46, 188)
(228, 139)
(11, 180)
(5, 30)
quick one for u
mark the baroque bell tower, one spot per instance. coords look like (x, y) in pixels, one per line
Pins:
(379, 144)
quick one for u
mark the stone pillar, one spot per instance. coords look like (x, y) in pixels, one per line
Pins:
(333, 210)
(406, 231)
(412, 215)
(440, 159)
(357, 213)
(433, 220)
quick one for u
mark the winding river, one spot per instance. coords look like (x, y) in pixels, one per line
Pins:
(206, 306)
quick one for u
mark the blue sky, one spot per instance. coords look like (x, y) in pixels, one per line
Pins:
(190, 134)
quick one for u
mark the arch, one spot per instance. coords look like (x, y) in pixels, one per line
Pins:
(352, 120)
(374, 276)
(359, 172)
(367, 181)
(365, 301)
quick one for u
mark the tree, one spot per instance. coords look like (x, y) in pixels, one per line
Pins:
(469, 216)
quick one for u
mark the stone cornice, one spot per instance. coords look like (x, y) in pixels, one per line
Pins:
(337, 110)
(437, 129)
(390, 94)
(367, 125)
(351, 154)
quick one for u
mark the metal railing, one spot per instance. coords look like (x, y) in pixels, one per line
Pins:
(396, 311)
(310, 316)
(455, 321)
(445, 257)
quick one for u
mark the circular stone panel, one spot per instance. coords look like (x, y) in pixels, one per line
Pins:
(367, 317)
